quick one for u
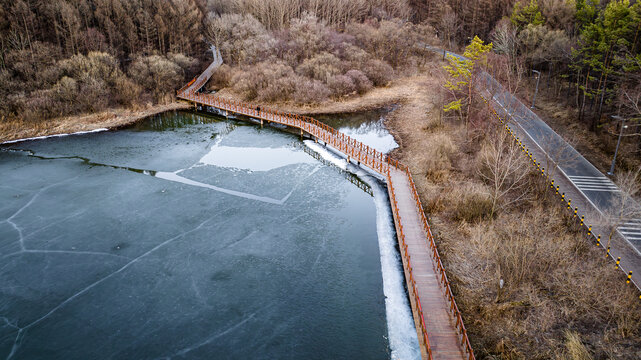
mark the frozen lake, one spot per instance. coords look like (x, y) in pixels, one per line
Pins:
(191, 237)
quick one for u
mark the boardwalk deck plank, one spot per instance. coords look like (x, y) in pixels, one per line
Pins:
(441, 327)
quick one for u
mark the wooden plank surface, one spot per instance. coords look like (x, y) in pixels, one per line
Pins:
(440, 324)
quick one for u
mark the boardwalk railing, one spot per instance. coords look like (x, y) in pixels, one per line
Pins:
(354, 149)
(362, 154)
(440, 270)
(403, 244)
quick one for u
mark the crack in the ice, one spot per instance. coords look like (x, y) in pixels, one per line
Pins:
(33, 198)
(20, 236)
(16, 342)
(76, 214)
(21, 330)
(170, 176)
(236, 242)
(9, 323)
(193, 282)
(214, 336)
(28, 251)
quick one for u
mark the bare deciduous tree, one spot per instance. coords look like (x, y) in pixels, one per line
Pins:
(503, 168)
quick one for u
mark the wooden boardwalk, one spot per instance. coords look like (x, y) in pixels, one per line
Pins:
(438, 321)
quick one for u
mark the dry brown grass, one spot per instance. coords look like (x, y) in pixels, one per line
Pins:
(396, 92)
(576, 350)
(110, 119)
(556, 285)
(471, 203)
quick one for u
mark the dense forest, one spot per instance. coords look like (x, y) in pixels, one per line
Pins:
(65, 57)
(102, 53)
(589, 54)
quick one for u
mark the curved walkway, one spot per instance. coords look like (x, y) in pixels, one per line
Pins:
(438, 321)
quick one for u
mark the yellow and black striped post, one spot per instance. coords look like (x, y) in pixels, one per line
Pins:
(616, 267)
(582, 218)
(607, 253)
(629, 277)
(576, 210)
(598, 240)
(569, 204)
(589, 230)
(563, 197)
(557, 190)
(552, 184)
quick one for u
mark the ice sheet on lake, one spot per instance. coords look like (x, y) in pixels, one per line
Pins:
(254, 158)
(56, 135)
(177, 178)
(373, 134)
(400, 323)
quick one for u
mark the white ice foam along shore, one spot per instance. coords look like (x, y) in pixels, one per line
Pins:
(56, 135)
(403, 341)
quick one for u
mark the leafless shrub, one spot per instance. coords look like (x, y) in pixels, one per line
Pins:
(341, 85)
(378, 71)
(308, 36)
(393, 41)
(502, 166)
(157, 74)
(66, 91)
(355, 55)
(310, 91)
(221, 78)
(96, 65)
(126, 91)
(93, 95)
(279, 89)
(240, 38)
(188, 64)
(265, 75)
(320, 67)
(38, 105)
(363, 84)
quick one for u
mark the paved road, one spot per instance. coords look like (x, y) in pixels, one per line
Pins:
(596, 187)
(598, 192)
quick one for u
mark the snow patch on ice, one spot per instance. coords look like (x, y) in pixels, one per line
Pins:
(253, 158)
(326, 154)
(51, 136)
